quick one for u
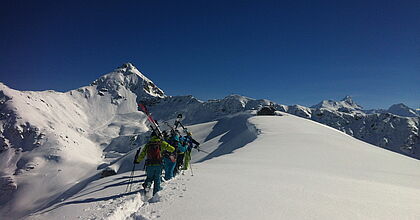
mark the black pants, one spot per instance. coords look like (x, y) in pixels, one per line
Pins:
(179, 162)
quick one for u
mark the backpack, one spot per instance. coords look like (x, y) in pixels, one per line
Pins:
(153, 153)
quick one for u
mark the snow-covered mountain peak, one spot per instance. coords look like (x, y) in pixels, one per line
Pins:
(129, 77)
(129, 68)
(348, 99)
(399, 105)
(345, 105)
(402, 110)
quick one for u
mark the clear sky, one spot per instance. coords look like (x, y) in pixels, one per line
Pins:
(292, 52)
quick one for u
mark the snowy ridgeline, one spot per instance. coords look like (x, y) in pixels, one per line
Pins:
(50, 140)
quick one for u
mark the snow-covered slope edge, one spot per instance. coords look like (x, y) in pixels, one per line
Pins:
(51, 140)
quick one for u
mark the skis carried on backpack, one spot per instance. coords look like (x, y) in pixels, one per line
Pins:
(154, 124)
(178, 123)
(174, 128)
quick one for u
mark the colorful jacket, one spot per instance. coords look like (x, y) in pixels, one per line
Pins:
(178, 142)
(190, 142)
(182, 146)
(163, 147)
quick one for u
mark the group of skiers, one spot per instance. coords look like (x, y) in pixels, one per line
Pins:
(168, 152)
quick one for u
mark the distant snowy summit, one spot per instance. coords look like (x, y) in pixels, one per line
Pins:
(403, 110)
(129, 77)
(345, 105)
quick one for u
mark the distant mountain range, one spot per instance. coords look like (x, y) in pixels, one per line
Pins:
(396, 129)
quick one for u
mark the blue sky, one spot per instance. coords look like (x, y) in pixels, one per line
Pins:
(292, 52)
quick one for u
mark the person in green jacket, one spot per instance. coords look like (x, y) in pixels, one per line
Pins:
(152, 151)
(190, 142)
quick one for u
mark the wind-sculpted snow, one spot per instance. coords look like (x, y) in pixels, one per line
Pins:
(234, 131)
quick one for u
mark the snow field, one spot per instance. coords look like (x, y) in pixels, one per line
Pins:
(299, 169)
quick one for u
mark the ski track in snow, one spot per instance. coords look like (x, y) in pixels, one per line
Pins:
(125, 208)
(140, 206)
(152, 208)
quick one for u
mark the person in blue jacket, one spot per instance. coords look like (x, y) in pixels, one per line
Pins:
(169, 158)
(181, 149)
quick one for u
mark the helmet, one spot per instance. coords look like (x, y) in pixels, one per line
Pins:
(175, 137)
(153, 134)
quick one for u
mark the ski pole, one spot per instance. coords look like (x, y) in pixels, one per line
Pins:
(130, 179)
(202, 151)
(192, 174)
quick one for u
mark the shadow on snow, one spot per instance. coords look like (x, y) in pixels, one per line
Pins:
(236, 131)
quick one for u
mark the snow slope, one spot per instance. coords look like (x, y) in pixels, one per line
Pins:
(292, 168)
(298, 169)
